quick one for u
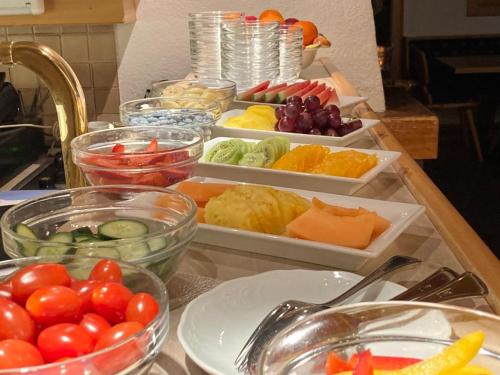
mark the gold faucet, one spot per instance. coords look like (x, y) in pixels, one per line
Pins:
(65, 90)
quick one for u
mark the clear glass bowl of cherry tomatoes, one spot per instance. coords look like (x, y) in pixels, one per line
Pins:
(140, 155)
(79, 315)
(143, 225)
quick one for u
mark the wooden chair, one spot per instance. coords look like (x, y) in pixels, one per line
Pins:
(420, 71)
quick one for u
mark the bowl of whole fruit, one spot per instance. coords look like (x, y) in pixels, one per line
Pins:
(79, 315)
(312, 40)
(146, 226)
(139, 155)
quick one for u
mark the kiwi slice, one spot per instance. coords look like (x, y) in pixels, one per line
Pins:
(228, 155)
(253, 159)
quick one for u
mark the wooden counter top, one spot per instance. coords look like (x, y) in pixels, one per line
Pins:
(440, 238)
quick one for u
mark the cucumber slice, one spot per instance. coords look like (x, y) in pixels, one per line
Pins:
(133, 251)
(122, 228)
(61, 237)
(104, 252)
(82, 234)
(53, 250)
(28, 248)
(156, 244)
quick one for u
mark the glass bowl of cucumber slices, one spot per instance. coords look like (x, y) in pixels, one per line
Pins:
(143, 225)
(133, 354)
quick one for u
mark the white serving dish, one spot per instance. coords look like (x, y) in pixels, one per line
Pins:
(220, 131)
(401, 215)
(214, 326)
(297, 180)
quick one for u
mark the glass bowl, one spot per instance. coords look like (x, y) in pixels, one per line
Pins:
(178, 152)
(151, 112)
(134, 355)
(150, 109)
(169, 219)
(221, 90)
(404, 329)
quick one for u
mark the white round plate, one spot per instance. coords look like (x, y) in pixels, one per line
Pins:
(214, 326)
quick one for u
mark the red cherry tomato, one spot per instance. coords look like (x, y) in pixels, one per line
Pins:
(64, 340)
(106, 270)
(18, 353)
(117, 333)
(15, 322)
(84, 289)
(37, 276)
(95, 325)
(54, 304)
(142, 308)
(110, 300)
(6, 290)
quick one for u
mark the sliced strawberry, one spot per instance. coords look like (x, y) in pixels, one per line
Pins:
(118, 148)
(153, 179)
(102, 162)
(365, 364)
(153, 146)
(335, 364)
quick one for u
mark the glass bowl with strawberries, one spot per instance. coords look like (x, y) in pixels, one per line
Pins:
(140, 155)
(400, 338)
(80, 315)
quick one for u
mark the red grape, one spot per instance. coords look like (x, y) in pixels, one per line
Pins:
(287, 124)
(312, 103)
(349, 127)
(315, 131)
(334, 121)
(297, 100)
(305, 122)
(320, 118)
(332, 109)
(291, 111)
(279, 112)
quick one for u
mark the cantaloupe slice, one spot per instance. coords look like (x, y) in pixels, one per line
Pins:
(200, 215)
(318, 225)
(201, 192)
(381, 224)
(335, 210)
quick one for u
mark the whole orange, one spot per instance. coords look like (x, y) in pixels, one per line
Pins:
(271, 15)
(310, 31)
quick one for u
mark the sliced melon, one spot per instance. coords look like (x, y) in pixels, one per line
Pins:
(201, 192)
(247, 95)
(290, 91)
(318, 225)
(200, 215)
(259, 96)
(308, 88)
(314, 91)
(324, 95)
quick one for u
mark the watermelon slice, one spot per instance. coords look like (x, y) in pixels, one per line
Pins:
(324, 95)
(334, 99)
(308, 88)
(314, 91)
(270, 96)
(290, 91)
(259, 96)
(248, 94)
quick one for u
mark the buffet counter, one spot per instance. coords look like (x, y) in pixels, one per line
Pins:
(440, 237)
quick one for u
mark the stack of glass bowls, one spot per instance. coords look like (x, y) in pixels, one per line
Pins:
(190, 112)
(250, 52)
(205, 41)
(290, 54)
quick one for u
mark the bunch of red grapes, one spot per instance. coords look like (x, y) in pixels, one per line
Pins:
(309, 117)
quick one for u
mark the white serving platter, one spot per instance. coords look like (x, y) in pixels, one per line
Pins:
(220, 131)
(214, 326)
(401, 215)
(298, 180)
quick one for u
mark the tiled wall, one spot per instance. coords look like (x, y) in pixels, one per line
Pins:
(89, 49)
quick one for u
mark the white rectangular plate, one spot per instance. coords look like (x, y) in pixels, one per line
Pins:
(297, 180)
(401, 215)
(220, 131)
